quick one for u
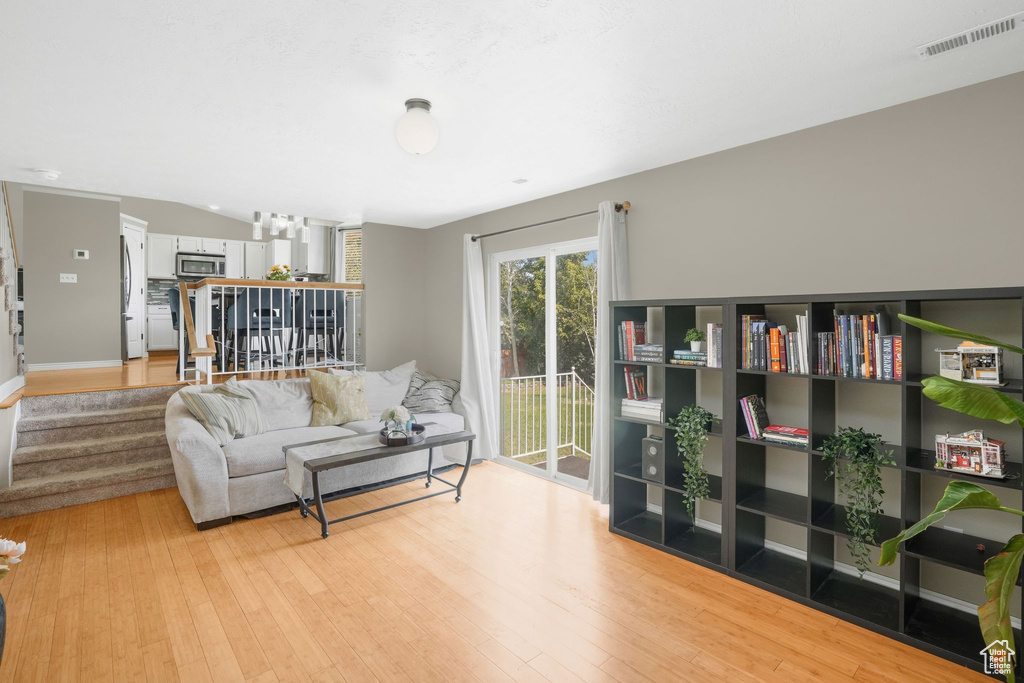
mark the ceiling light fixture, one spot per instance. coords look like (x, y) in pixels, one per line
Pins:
(275, 224)
(46, 174)
(213, 207)
(257, 226)
(290, 228)
(305, 231)
(417, 131)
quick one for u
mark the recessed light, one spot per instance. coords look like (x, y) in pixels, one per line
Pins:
(47, 174)
(213, 207)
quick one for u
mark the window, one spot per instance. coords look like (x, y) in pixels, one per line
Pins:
(351, 255)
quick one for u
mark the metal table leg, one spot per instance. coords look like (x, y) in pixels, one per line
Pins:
(430, 464)
(465, 471)
(320, 504)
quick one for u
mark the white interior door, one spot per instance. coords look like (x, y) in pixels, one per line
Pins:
(134, 288)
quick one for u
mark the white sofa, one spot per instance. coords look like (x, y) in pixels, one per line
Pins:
(247, 474)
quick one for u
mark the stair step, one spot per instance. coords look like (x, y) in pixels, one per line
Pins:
(45, 493)
(82, 447)
(58, 435)
(81, 463)
(95, 417)
(93, 401)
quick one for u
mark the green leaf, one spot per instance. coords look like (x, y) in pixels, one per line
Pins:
(936, 328)
(974, 400)
(1000, 578)
(959, 495)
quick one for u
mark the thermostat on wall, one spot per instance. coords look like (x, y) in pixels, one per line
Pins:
(80, 253)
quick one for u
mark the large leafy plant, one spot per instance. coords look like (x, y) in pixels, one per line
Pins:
(856, 458)
(691, 429)
(1001, 570)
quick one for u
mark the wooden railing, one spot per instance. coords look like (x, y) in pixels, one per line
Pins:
(255, 326)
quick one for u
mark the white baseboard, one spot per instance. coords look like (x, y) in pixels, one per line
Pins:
(850, 570)
(11, 385)
(76, 365)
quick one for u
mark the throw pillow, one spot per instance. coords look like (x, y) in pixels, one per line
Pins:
(430, 395)
(337, 400)
(385, 388)
(228, 412)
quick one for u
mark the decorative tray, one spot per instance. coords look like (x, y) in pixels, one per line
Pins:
(403, 439)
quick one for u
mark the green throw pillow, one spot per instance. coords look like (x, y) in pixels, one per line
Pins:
(337, 400)
(227, 412)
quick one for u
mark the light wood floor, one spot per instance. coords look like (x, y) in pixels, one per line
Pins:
(520, 581)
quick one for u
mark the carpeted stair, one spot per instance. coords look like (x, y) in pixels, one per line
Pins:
(78, 448)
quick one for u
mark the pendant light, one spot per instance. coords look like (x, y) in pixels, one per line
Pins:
(275, 225)
(417, 131)
(257, 226)
(305, 231)
(290, 228)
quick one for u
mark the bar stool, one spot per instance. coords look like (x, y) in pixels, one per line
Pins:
(317, 317)
(263, 315)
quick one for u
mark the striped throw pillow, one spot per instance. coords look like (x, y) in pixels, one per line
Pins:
(430, 394)
(228, 412)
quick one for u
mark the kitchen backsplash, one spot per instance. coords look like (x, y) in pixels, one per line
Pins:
(156, 295)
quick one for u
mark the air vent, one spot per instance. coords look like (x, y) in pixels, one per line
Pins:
(978, 33)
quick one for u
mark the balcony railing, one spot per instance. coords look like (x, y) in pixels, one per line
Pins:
(524, 413)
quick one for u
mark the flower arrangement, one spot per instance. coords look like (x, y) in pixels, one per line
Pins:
(10, 553)
(280, 273)
(395, 420)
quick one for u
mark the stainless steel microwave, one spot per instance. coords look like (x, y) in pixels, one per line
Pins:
(200, 265)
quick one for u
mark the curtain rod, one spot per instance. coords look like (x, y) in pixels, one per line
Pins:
(624, 206)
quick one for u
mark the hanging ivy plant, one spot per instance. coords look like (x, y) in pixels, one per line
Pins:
(691, 427)
(855, 458)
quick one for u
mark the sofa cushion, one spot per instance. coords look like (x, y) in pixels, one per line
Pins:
(227, 412)
(258, 454)
(285, 404)
(430, 395)
(337, 400)
(385, 388)
(453, 421)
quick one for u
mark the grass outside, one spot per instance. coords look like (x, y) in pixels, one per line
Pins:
(524, 423)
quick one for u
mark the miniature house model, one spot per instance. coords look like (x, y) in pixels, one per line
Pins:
(973, 363)
(969, 452)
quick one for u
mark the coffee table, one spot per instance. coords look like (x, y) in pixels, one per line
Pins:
(328, 454)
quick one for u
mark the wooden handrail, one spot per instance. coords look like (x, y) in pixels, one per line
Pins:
(290, 284)
(190, 327)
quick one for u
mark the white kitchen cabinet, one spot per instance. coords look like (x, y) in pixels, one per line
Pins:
(256, 260)
(312, 257)
(279, 253)
(189, 245)
(160, 333)
(214, 246)
(234, 258)
(161, 262)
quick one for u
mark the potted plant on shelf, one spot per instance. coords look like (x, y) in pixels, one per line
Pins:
(695, 337)
(855, 458)
(281, 273)
(691, 427)
(1002, 569)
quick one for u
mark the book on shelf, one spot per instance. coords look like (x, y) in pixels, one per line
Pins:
(860, 346)
(687, 357)
(713, 342)
(791, 436)
(636, 382)
(755, 415)
(650, 409)
(633, 343)
(770, 347)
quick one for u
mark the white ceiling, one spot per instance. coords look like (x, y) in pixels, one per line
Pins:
(291, 106)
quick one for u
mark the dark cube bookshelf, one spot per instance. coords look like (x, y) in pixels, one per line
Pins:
(755, 507)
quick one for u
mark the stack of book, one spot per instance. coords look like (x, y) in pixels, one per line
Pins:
(770, 347)
(649, 353)
(687, 357)
(755, 415)
(636, 382)
(631, 335)
(790, 436)
(714, 345)
(861, 346)
(649, 409)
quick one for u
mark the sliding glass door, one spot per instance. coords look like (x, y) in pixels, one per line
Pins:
(544, 314)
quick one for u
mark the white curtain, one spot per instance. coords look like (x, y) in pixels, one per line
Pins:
(612, 285)
(477, 392)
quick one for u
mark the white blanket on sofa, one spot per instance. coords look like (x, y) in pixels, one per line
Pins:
(296, 457)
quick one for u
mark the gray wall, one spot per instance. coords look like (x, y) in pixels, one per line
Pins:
(71, 322)
(924, 194)
(172, 218)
